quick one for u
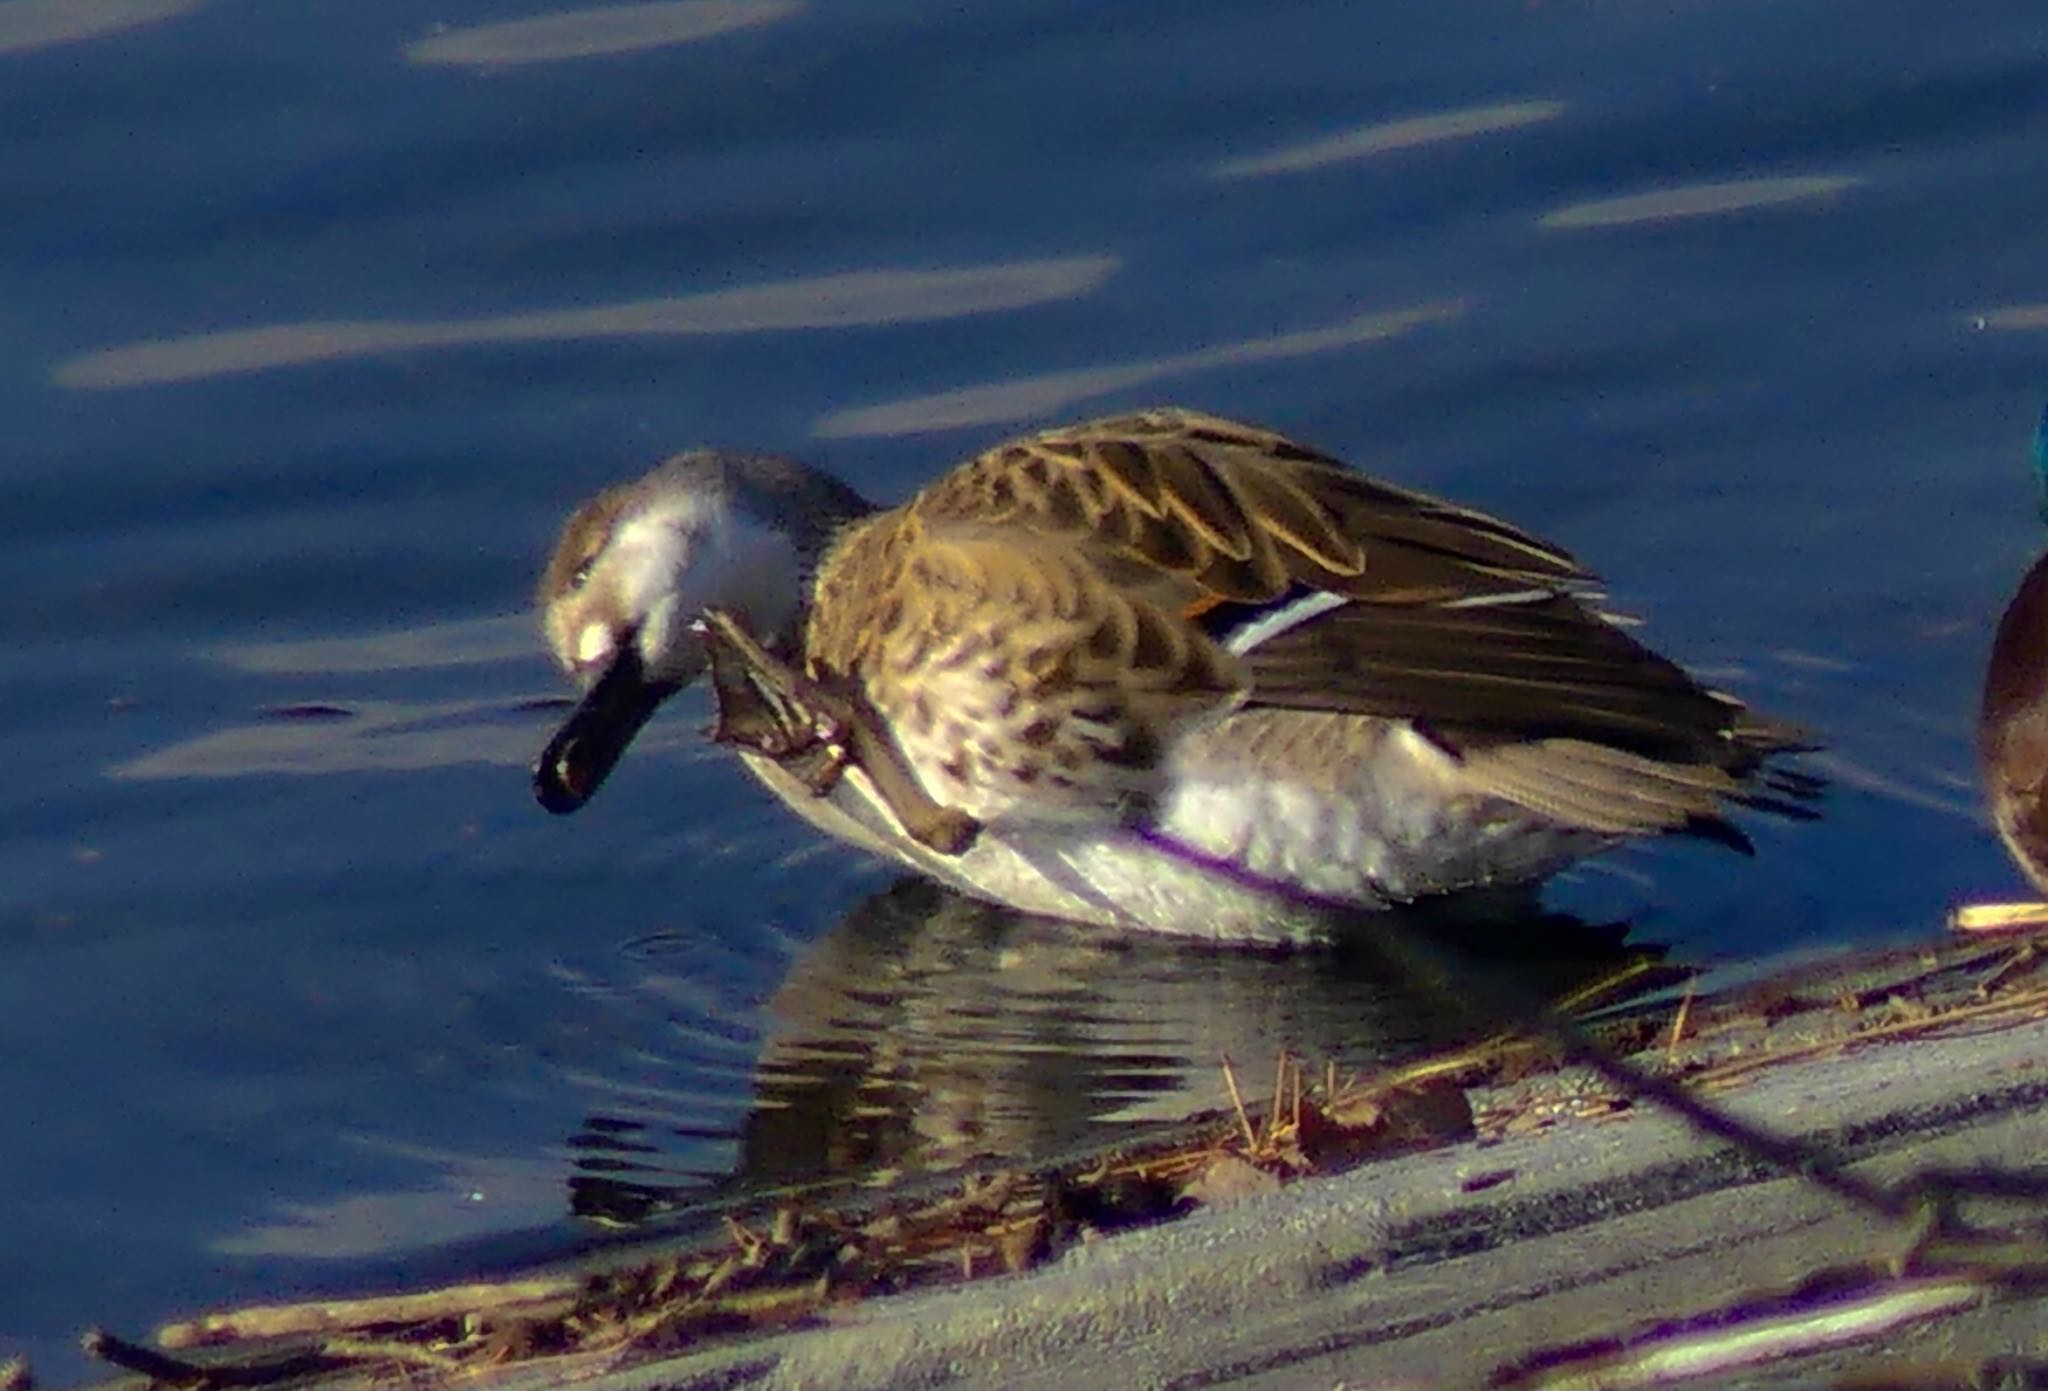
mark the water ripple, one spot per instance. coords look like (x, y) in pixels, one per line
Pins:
(1698, 200)
(377, 736)
(600, 31)
(462, 642)
(1028, 397)
(1366, 141)
(27, 24)
(853, 299)
(2012, 317)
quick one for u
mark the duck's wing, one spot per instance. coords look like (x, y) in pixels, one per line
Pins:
(1042, 614)
(1339, 592)
(1540, 668)
(1548, 706)
(1237, 514)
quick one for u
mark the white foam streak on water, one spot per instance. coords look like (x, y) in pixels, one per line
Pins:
(30, 24)
(596, 32)
(1699, 200)
(1387, 136)
(1032, 397)
(851, 300)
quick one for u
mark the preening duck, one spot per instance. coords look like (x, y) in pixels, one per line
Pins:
(1160, 670)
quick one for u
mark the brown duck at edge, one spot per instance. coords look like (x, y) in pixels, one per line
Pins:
(2012, 737)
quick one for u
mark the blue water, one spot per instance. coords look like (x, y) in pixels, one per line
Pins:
(320, 316)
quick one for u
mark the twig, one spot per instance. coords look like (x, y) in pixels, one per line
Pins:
(392, 1350)
(134, 1357)
(1279, 1093)
(1679, 1021)
(344, 1315)
(1251, 1137)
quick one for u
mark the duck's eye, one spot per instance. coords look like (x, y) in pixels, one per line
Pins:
(580, 576)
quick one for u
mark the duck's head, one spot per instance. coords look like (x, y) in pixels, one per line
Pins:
(638, 565)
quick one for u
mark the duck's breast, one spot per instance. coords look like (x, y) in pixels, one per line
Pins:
(1364, 812)
(1105, 874)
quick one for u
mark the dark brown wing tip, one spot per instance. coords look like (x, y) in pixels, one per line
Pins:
(1770, 785)
(1720, 832)
(1766, 735)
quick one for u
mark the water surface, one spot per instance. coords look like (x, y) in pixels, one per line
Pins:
(320, 316)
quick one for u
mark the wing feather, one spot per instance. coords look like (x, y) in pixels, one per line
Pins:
(1535, 670)
(1605, 789)
(1242, 512)
(1017, 678)
(1092, 575)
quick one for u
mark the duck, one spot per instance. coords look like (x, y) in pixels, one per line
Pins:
(1160, 671)
(2012, 736)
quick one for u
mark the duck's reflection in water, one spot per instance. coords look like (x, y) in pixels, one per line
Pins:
(928, 1031)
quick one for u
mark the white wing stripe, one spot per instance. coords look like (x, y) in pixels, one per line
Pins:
(1512, 596)
(1277, 621)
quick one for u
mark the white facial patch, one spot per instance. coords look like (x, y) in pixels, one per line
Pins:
(678, 552)
(652, 550)
(593, 644)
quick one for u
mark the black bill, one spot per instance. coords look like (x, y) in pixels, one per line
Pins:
(581, 755)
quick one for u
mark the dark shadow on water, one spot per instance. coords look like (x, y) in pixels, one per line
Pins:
(928, 1032)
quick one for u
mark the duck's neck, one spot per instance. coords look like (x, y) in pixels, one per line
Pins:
(783, 520)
